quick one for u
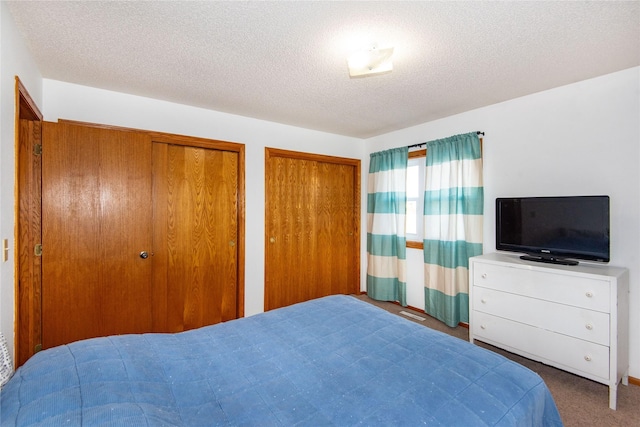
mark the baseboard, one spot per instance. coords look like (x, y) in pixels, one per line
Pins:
(634, 381)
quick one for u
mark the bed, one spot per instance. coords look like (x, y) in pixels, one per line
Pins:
(331, 361)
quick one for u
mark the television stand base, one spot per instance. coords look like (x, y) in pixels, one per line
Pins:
(549, 260)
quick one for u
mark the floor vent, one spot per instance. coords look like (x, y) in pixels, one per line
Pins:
(413, 316)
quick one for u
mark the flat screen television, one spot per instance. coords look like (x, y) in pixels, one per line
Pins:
(554, 229)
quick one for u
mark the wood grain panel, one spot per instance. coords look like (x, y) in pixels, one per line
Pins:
(29, 234)
(100, 181)
(160, 292)
(343, 226)
(200, 215)
(232, 305)
(312, 221)
(96, 221)
(28, 230)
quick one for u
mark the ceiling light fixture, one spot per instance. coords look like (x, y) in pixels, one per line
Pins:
(374, 60)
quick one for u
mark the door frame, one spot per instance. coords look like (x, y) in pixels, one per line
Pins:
(298, 155)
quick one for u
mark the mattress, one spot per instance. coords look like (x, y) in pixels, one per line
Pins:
(330, 361)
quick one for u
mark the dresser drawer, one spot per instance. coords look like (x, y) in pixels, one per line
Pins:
(573, 321)
(585, 292)
(568, 353)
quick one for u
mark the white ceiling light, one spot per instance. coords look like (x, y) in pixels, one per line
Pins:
(374, 60)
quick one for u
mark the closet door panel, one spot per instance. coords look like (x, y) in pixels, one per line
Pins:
(337, 207)
(96, 220)
(291, 240)
(29, 303)
(312, 222)
(197, 204)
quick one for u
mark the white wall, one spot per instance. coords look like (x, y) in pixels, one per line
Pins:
(579, 139)
(73, 102)
(15, 60)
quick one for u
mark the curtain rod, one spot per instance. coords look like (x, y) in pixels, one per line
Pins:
(424, 143)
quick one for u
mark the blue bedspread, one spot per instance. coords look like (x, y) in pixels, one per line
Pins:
(331, 361)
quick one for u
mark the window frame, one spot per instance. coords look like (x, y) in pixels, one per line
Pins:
(415, 244)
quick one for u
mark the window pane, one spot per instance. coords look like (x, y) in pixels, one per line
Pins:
(411, 217)
(413, 182)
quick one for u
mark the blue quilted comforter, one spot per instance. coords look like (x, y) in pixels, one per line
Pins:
(331, 361)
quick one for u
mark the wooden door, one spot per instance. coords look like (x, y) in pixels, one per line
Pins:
(28, 338)
(110, 194)
(195, 236)
(312, 227)
(28, 304)
(96, 221)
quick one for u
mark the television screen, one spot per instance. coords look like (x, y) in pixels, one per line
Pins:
(554, 229)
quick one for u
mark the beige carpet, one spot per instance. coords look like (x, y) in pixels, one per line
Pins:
(581, 402)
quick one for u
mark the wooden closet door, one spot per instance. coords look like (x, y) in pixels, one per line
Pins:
(96, 220)
(312, 222)
(28, 304)
(196, 236)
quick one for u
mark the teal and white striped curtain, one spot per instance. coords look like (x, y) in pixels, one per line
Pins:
(386, 238)
(453, 212)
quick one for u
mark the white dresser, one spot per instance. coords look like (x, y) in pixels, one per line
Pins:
(572, 317)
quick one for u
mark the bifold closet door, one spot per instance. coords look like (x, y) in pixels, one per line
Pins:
(195, 236)
(312, 222)
(96, 223)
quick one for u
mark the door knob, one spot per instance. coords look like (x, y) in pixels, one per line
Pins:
(144, 254)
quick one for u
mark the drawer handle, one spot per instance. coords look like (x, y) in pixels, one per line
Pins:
(483, 327)
(587, 358)
(484, 301)
(589, 326)
(484, 275)
(589, 294)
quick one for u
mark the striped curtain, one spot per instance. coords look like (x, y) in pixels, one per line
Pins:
(386, 239)
(453, 208)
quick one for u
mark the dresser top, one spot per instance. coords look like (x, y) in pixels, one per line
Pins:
(582, 268)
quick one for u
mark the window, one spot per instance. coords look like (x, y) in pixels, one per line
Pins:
(415, 198)
(416, 173)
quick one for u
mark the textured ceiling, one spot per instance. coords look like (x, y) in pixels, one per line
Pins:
(286, 61)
